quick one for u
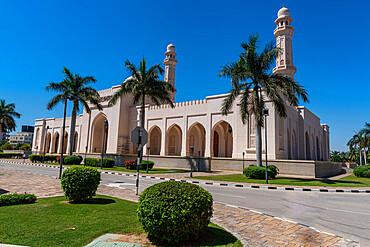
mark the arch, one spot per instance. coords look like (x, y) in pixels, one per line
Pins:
(48, 142)
(55, 144)
(289, 145)
(222, 139)
(98, 134)
(317, 149)
(65, 142)
(313, 154)
(308, 156)
(173, 140)
(294, 145)
(154, 141)
(196, 138)
(75, 142)
(37, 138)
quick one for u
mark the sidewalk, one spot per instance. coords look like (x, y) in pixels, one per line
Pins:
(252, 228)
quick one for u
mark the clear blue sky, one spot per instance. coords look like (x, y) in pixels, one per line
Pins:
(330, 48)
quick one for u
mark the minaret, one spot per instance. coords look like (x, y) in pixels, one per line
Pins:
(283, 34)
(170, 63)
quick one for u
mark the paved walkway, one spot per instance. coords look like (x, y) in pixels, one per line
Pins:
(251, 227)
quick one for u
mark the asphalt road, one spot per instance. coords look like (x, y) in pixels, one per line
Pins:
(344, 214)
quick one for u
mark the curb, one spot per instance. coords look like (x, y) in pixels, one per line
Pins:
(212, 183)
(282, 219)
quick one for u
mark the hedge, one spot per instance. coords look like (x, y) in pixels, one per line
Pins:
(174, 211)
(107, 162)
(362, 171)
(11, 155)
(38, 158)
(14, 199)
(80, 183)
(259, 172)
(73, 160)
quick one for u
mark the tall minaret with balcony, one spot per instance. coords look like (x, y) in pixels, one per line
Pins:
(170, 63)
(283, 34)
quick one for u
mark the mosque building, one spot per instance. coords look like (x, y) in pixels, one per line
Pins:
(298, 138)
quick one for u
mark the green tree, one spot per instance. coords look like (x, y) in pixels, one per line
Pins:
(251, 79)
(7, 146)
(144, 83)
(74, 88)
(18, 146)
(26, 147)
(7, 115)
(358, 140)
(365, 132)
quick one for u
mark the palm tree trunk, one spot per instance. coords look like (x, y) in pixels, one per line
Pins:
(72, 129)
(360, 155)
(258, 143)
(365, 156)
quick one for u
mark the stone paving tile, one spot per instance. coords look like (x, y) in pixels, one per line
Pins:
(251, 228)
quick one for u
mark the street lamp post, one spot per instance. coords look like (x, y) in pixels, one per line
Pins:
(199, 161)
(63, 133)
(103, 147)
(243, 162)
(43, 157)
(85, 155)
(265, 112)
(191, 161)
(147, 159)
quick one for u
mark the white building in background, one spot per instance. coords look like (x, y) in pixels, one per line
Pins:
(198, 124)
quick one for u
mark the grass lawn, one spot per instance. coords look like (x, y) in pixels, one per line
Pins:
(349, 181)
(48, 223)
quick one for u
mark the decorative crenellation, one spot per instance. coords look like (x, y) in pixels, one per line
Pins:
(105, 98)
(179, 104)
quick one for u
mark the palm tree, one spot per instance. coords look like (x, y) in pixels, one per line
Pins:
(7, 115)
(251, 75)
(357, 140)
(74, 88)
(365, 132)
(144, 83)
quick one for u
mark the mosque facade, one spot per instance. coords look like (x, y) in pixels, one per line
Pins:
(198, 124)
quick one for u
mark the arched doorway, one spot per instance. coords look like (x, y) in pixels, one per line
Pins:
(65, 142)
(75, 142)
(47, 144)
(317, 149)
(55, 143)
(308, 156)
(37, 138)
(313, 154)
(174, 140)
(98, 134)
(294, 145)
(197, 138)
(222, 140)
(155, 140)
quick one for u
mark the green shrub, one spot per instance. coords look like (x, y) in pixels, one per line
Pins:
(38, 158)
(11, 155)
(14, 199)
(272, 170)
(80, 183)
(7, 146)
(131, 165)
(107, 162)
(362, 171)
(174, 211)
(259, 172)
(73, 160)
(25, 146)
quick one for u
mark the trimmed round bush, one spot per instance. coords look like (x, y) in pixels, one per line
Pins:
(131, 165)
(174, 211)
(362, 171)
(73, 160)
(259, 172)
(80, 183)
(107, 162)
(14, 199)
